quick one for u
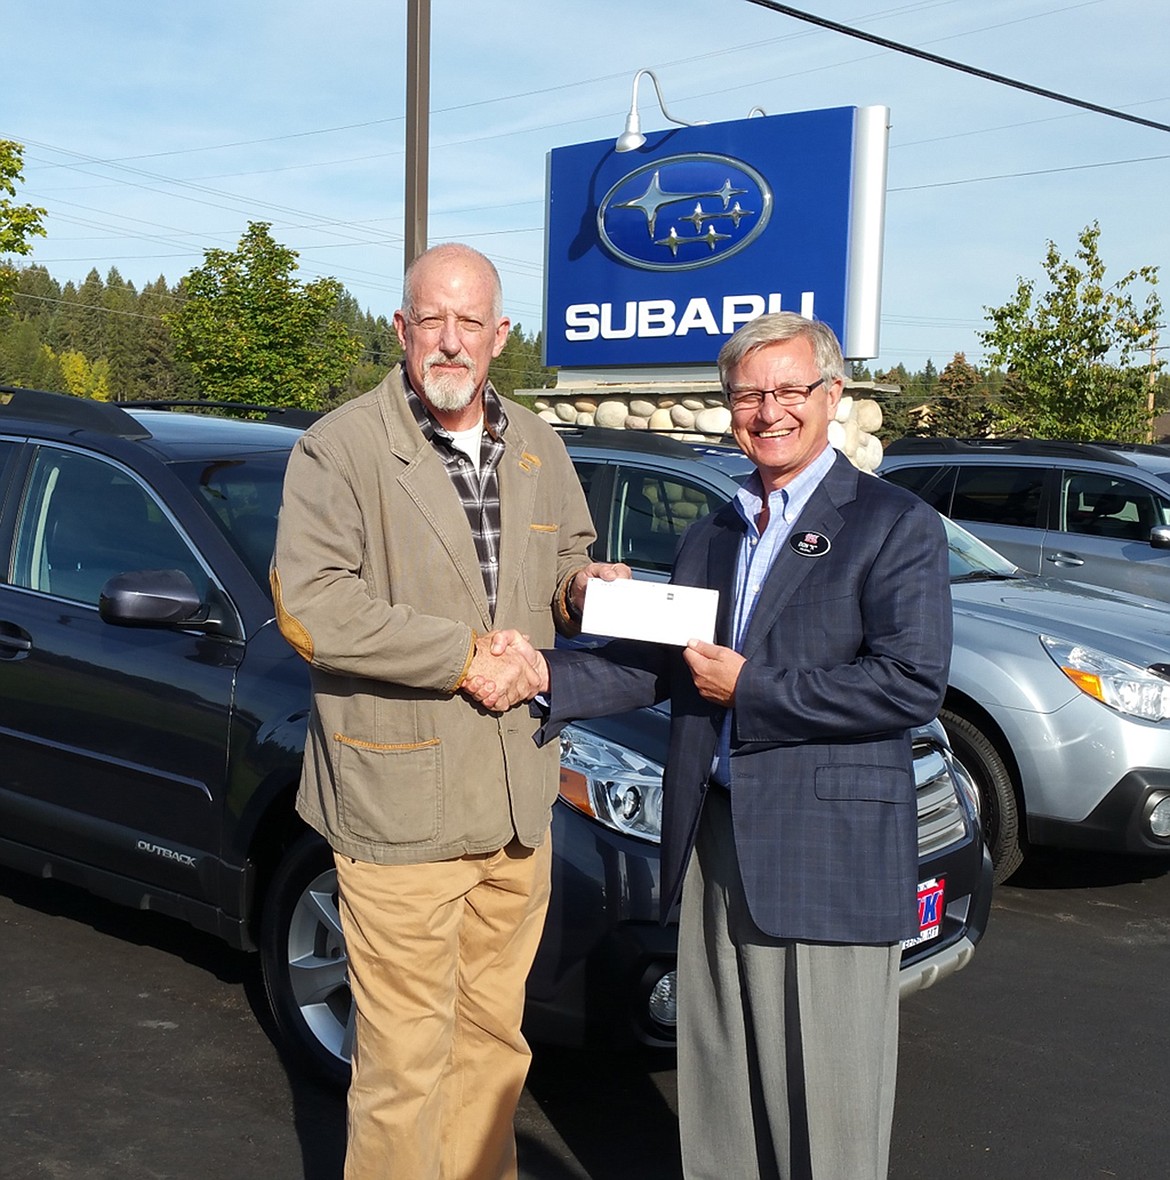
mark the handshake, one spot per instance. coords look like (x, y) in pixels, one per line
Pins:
(506, 669)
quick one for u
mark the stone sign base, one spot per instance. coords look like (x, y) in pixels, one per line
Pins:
(698, 411)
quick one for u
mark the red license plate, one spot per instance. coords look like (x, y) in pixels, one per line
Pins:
(931, 901)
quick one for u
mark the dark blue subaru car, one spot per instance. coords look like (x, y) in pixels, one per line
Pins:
(152, 720)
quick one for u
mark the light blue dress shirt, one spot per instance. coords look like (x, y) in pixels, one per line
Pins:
(757, 553)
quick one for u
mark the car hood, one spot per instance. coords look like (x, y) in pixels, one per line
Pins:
(1121, 624)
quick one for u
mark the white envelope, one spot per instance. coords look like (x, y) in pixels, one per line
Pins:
(653, 611)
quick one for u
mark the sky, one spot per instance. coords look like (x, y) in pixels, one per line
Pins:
(155, 131)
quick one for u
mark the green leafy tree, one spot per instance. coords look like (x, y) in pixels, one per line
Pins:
(1162, 393)
(83, 379)
(18, 223)
(1079, 357)
(251, 332)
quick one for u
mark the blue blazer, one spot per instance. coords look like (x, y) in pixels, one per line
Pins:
(847, 650)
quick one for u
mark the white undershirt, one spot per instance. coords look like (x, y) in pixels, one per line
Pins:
(468, 442)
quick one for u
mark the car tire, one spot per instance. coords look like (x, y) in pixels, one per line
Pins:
(302, 954)
(997, 792)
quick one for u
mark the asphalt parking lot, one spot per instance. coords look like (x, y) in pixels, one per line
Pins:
(130, 1048)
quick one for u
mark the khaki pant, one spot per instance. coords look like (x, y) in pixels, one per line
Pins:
(438, 957)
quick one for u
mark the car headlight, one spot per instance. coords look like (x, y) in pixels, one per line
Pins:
(611, 783)
(966, 785)
(1134, 691)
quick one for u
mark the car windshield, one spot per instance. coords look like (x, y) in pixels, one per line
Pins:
(971, 560)
(242, 496)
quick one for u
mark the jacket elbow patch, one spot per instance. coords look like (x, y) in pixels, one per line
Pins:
(291, 627)
(564, 601)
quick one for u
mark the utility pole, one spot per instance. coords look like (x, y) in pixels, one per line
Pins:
(1153, 385)
(418, 106)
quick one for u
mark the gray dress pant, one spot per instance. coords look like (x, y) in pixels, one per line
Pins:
(788, 1051)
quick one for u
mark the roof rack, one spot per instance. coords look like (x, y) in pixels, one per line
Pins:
(1054, 448)
(282, 415)
(63, 409)
(1135, 448)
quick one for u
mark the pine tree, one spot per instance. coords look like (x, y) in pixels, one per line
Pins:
(122, 335)
(87, 325)
(960, 408)
(26, 360)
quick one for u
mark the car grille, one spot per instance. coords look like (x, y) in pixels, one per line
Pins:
(941, 819)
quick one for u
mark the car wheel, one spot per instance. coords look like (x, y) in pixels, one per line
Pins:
(997, 794)
(302, 952)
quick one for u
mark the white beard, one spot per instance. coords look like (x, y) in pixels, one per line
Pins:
(448, 391)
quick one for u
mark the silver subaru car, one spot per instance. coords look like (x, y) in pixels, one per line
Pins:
(1059, 696)
(1084, 512)
(1059, 705)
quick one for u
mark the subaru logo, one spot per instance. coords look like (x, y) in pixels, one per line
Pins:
(684, 212)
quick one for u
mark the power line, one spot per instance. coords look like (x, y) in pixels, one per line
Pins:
(907, 143)
(526, 266)
(500, 98)
(332, 226)
(76, 304)
(366, 334)
(913, 188)
(951, 64)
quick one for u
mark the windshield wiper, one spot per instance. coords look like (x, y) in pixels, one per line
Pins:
(986, 576)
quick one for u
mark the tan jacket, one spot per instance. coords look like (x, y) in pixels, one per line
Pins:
(378, 586)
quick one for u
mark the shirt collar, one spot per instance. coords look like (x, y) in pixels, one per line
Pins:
(749, 500)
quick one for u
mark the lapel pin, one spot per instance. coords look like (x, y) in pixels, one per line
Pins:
(809, 544)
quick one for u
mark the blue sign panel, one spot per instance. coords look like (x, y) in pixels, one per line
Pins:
(656, 256)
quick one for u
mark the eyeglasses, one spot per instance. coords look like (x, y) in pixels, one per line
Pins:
(753, 399)
(464, 325)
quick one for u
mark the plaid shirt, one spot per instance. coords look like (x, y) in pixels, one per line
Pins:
(479, 493)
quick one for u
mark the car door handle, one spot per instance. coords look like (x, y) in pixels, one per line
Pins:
(14, 641)
(1065, 559)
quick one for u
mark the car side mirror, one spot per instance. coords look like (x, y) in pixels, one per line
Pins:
(1160, 536)
(154, 598)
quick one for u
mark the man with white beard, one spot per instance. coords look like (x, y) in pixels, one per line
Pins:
(416, 520)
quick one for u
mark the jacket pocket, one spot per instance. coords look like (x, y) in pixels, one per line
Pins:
(389, 793)
(540, 565)
(878, 784)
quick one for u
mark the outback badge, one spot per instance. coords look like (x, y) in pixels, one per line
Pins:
(684, 212)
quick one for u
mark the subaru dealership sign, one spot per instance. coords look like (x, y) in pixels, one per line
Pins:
(654, 257)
